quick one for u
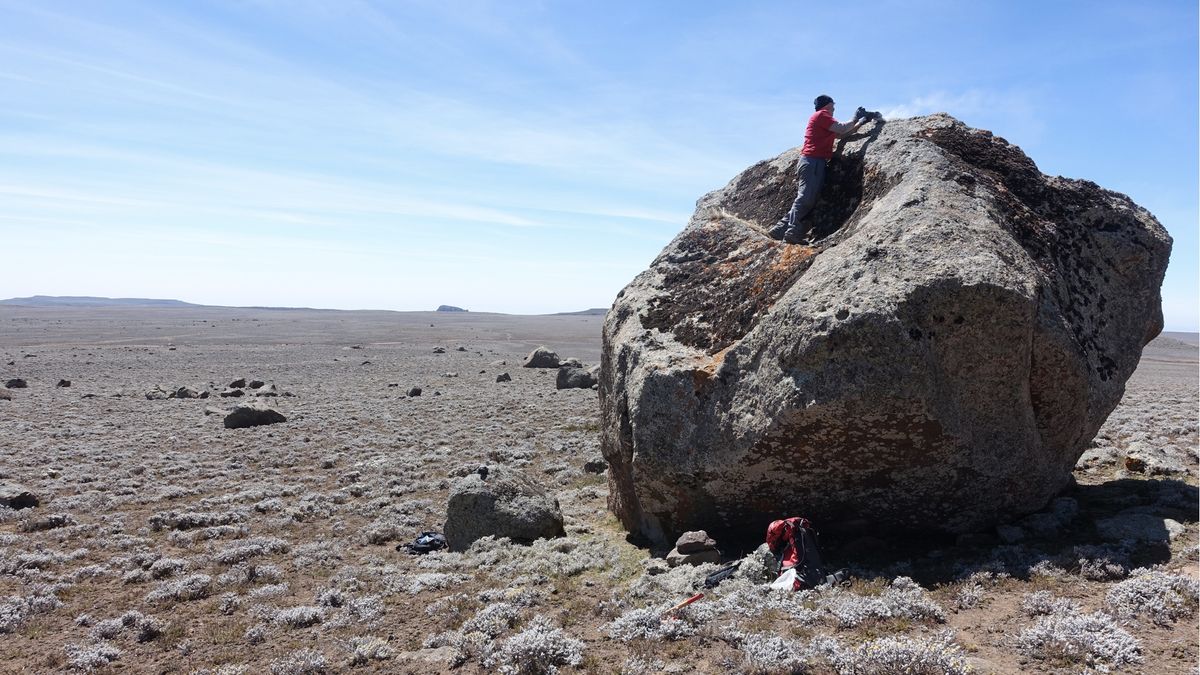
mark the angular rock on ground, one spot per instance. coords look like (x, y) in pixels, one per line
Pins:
(541, 358)
(576, 378)
(504, 377)
(502, 503)
(694, 542)
(16, 496)
(63, 383)
(940, 359)
(252, 416)
(16, 383)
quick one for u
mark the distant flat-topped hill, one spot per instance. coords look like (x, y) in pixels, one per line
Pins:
(595, 311)
(89, 301)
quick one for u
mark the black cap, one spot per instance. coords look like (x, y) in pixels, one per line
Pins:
(822, 101)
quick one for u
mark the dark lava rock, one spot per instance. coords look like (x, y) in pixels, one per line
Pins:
(63, 383)
(232, 393)
(939, 360)
(16, 383)
(415, 391)
(505, 503)
(252, 416)
(238, 383)
(257, 384)
(504, 377)
(597, 465)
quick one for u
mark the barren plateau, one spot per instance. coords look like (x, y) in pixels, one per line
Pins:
(165, 542)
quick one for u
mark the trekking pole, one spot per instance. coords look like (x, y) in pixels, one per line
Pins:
(683, 604)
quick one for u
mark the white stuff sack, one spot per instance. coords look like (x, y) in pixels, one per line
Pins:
(786, 581)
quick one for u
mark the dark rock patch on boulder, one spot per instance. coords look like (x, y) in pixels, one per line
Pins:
(501, 503)
(939, 360)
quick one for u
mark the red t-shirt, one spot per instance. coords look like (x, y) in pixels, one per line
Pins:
(819, 136)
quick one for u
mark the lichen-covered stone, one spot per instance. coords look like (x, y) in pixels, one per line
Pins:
(939, 359)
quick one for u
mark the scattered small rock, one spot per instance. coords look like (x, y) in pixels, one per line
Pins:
(232, 393)
(504, 377)
(5, 396)
(694, 548)
(541, 358)
(258, 384)
(16, 496)
(460, 349)
(238, 383)
(252, 416)
(16, 383)
(439, 350)
(415, 391)
(451, 374)
(63, 383)
(268, 390)
(576, 378)
(694, 542)
(157, 394)
(597, 465)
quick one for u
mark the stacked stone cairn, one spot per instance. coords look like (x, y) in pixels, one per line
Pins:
(694, 548)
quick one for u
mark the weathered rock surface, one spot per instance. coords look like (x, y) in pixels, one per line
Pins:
(16, 496)
(500, 502)
(252, 416)
(576, 378)
(541, 358)
(939, 359)
(694, 542)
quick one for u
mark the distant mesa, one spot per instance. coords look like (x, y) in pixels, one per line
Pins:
(595, 311)
(450, 308)
(89, 301)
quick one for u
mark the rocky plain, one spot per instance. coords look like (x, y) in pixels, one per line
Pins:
(163, 541)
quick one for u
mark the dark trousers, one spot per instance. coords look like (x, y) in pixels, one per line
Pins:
(812, 179)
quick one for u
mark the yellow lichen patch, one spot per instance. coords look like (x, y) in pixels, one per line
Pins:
(708, 368)
(785, 267)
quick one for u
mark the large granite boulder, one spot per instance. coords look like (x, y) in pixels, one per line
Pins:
(500, 502)
(938, 360)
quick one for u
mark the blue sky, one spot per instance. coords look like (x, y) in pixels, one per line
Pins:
(519, 157)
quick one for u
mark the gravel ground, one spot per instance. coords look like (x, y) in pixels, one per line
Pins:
(167, 543)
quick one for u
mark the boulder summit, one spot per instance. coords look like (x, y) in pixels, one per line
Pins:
(938, 360)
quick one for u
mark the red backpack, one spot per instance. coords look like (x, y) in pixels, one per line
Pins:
(793, 542)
